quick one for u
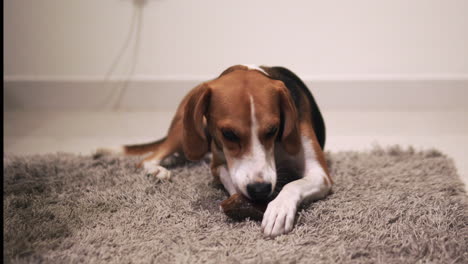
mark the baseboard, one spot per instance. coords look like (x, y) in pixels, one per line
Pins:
(164, 94)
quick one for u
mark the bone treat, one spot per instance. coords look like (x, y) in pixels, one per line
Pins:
(239, 208)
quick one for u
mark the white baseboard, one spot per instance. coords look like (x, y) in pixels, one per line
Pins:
(164, 94)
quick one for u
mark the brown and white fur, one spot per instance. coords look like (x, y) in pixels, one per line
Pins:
(254, 121)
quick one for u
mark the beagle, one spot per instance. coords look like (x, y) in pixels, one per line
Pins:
(256, 122)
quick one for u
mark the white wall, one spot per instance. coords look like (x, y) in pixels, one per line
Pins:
(360, 54)
(198, 38)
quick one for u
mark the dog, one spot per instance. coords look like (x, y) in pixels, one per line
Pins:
(254, 121)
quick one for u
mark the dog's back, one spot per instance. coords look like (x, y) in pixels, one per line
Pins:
(297, 87)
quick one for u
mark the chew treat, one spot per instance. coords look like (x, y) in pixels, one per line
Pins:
(239, 208)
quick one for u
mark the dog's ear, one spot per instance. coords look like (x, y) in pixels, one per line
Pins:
(194, 139)
(290, 136)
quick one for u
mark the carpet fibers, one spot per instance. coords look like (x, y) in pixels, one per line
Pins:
(388, 206)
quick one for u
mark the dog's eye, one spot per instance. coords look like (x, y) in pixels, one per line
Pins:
(271, 132)
(230, 135)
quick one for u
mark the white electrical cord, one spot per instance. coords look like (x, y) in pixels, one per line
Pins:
(114, 99)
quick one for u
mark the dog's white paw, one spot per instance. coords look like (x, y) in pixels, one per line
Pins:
(279, 216)
(154, 171)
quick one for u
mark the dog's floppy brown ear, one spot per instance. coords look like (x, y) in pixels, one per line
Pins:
(290, 136)
(194, 140)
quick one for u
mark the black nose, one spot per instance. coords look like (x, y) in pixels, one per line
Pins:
(259, 190)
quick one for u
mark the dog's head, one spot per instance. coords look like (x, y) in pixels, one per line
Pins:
(245, 113)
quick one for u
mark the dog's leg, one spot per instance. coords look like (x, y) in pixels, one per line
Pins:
(151, 164)
(136, 149)
(155, 171)
(221, 173)
(226, 180)
(315, 184)
(219, 170)
(170, 145)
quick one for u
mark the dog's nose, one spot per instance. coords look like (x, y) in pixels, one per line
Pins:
(259, 190)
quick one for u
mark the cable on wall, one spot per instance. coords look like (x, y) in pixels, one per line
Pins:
(114, 100)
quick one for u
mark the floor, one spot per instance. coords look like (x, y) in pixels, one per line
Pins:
(83, 132)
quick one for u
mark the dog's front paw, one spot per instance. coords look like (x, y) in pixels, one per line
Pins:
(155, 172)
(279, 216)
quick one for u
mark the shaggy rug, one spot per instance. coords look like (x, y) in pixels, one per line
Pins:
(388, 206)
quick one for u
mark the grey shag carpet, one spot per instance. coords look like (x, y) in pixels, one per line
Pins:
(388, 206)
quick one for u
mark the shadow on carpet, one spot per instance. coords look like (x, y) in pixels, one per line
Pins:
(388, 206)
